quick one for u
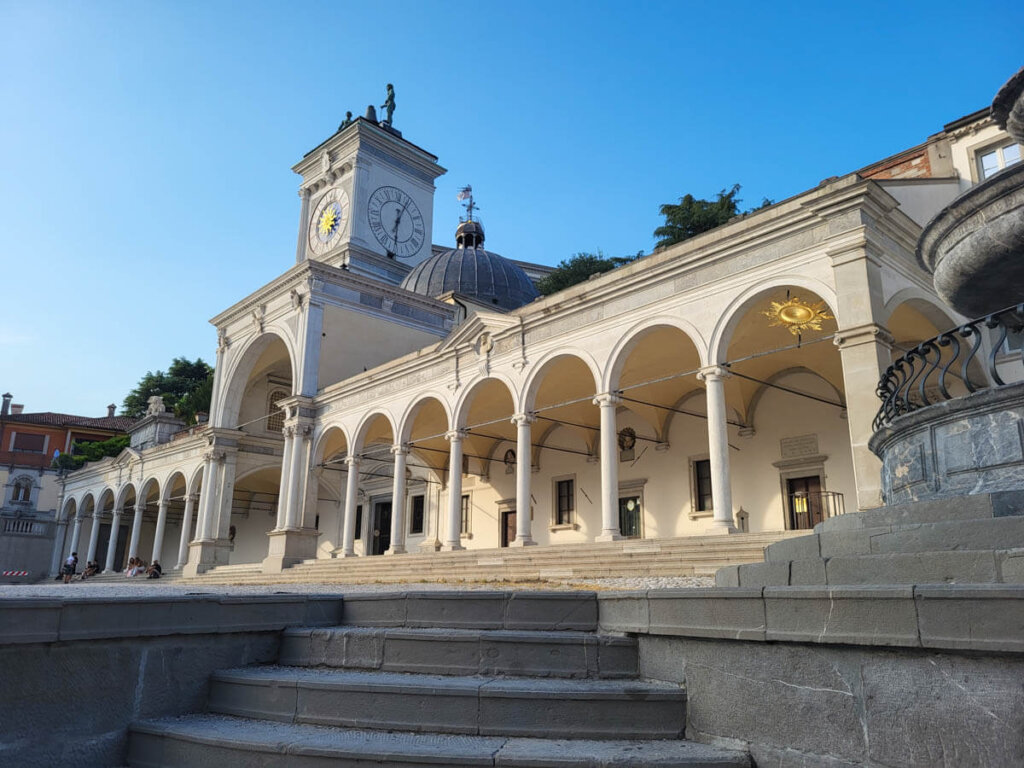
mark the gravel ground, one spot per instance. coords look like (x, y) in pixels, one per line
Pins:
(136, 589)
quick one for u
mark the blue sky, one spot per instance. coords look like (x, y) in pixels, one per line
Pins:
(145, 147)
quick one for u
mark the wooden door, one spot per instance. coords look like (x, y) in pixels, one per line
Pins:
(381, 533)
(803, 496)
(508, 527)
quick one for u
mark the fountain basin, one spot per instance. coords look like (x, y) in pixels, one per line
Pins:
(974, 246)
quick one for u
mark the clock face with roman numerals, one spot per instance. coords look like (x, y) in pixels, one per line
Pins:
(328, 221)
(396, 222)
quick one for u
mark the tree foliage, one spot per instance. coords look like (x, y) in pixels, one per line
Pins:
(580, 267)
(186, 388)
(90, 451)
(691, 216)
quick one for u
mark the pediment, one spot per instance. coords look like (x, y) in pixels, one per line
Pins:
(478, 324)
(126, 457)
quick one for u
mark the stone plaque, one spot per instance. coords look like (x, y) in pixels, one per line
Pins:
(801, 445)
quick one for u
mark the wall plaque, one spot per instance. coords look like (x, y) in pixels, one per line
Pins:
(801, 445)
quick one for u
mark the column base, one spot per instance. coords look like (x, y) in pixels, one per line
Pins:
(288, 548)
(395, 550)
(609, 536)
(523, 541)
(207, 554)
(719, 528)
(432, 545)
(451, 547)
(339, 554)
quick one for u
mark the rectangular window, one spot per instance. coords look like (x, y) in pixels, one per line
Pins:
(24, 441)
(702, 481)
(464, 524)
(994, 160)
(565, 504)
(359, 521)
(416, 515)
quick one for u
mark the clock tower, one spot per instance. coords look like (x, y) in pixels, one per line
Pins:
(367, 201)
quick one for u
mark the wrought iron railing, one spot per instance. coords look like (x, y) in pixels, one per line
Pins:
(808, 508)
(945, 367)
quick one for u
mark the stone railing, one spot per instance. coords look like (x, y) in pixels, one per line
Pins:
(926, 375)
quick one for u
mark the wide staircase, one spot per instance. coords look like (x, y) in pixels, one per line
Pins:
(685, 556)
(439, 679)
(976, 539)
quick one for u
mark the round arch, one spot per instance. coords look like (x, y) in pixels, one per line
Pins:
(176, 478)
(122, 494)
(101, 503)
(408, 418)
(738, 308)
(69, 509)
(473, 388)
(87, 503)
(364, 430)
(543, 366)
(919, 299)
(195, 481)
(232, 389)
(635, 334)
(328, 442)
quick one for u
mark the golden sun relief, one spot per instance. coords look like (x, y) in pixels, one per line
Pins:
(796, 315)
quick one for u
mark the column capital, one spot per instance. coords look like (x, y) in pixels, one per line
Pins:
(713, 373)
(607, 399)
(400, 448)
(523, 419)
(857, 335)
(193, 497)
(351, 461)
(455, 435)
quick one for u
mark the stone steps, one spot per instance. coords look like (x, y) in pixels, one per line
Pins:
(476, 705)
(439, 679)
(447, 651)
(205, 741)
(970, 540)
(685, 556)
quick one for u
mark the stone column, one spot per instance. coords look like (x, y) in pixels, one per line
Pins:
(115, 527)
(524, 470)
(206, 496)
(452, 540)
(608, 402)
(351, 493)
(286, 474)
(866, 352)
(60, 531)
(133, 542)
(76, 534)
(714, 377)
(398, 502)
(161, 524)
(186, 529)
(297, 481)
(94, 536)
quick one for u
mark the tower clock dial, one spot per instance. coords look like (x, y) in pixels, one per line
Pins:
(328, 221)
(396, 221)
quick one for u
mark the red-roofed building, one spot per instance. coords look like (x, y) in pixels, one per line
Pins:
(29, 485)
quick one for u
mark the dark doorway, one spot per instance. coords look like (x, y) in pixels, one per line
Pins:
(803, 497)
(508, 527)
(120, 546)
(629, 517)
(381, 533)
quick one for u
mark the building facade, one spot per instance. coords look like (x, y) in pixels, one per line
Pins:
(385, 394)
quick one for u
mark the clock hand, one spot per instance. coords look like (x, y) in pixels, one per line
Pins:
(398, 220)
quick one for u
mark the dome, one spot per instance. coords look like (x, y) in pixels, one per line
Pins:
(471, 271)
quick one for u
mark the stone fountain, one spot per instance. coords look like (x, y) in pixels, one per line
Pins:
(932, 442)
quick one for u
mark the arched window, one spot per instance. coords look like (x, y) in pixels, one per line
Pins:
(275, 420)
(22, 490)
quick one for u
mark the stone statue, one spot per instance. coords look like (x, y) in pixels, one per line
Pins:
(156, 406)
(389, 105)
(346, 122)
(371, 113)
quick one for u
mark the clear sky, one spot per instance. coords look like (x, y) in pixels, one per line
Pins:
(146, 147)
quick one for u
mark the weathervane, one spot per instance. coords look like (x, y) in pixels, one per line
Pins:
(466, 193)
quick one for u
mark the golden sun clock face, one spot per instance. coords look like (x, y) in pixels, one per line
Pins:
(328, 221)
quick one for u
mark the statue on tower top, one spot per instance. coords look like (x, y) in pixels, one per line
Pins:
(466, 194)
(388, 106)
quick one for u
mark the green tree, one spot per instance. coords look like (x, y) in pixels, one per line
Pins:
(692, 216)
(185, 387)
(90, 451)
(579, 268)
